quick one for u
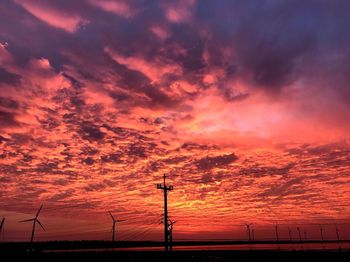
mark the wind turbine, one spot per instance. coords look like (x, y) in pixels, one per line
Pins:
(290, 234)
(248, 231)
(337, 232)
(35, 220)
(298, 228)
(276, 231)
(113, 225)
(321, 231)
(2, 227)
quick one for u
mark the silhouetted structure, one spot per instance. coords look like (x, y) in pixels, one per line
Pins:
(171, 227)
(276, 231)
(2, 227)
(337, 232)
(165, 189)
(113, 225)
(35, 220)
(321, 231)
(248, 232)
(290, 234)
(253, 235)
(298, 228)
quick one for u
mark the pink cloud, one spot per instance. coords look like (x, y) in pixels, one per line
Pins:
(179, 12)
(53, 17)
(117, 7)
(160, 32)
(154, 70)
(5, 56)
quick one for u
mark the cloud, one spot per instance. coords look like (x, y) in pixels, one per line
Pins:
(178, 12)
(118, 7)
(53, 17)
(8, 119)
(8, 77)
(154, 70)
(8, 103)
(208, 163)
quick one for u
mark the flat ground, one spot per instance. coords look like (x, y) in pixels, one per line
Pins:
(179, 256)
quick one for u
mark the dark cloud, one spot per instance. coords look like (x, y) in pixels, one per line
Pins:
(208, 163)
(284, 188)
(113, 157)
(62, 195)
(266, 170)
(89, 161)
(100, 186)
(8, 77)
(8, 119)
(3, 139)
(8, 103)
(90, 131)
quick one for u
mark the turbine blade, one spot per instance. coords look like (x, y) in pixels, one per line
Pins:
(111, 215)
(40, 224)
(27, 220)
(37, 214)
(119, 220)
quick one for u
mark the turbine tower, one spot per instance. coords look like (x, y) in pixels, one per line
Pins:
(2, 227)
(276, 231)
(337, 232)
(35, 220)
(113, 225)
(248, 232)
(321, 231)
(298, 228)
(290, 234)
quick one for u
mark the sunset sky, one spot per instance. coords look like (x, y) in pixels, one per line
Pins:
(245, 105)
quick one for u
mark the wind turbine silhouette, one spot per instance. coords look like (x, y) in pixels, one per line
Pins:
(298, 228)
(35, 220)
(248, 231)
(2, 227)
(113, 225)
(290, 234)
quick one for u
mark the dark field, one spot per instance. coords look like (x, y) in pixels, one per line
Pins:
(185, 251)
(181, 256)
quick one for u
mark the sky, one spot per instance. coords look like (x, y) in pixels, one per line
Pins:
(243, 104)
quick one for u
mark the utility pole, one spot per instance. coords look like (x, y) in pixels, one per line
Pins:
(165, 189)
(321, 231)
